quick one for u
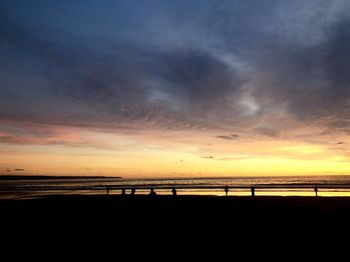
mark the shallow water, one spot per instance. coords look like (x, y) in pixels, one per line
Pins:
(240, 186)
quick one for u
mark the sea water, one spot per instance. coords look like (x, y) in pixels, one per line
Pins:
(239, 186)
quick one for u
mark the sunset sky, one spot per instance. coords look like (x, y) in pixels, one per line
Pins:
(160, 88)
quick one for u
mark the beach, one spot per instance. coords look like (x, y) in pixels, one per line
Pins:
(170, 212)
(177, 225)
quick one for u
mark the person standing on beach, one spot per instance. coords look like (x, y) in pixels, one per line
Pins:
(152, 193)
(173, 191)
(316, 190)
(226, 190)
(253, 190)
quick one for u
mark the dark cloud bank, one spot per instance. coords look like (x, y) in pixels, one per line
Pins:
(175, 65)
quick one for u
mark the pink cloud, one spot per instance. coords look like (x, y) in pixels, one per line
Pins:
(33, 134)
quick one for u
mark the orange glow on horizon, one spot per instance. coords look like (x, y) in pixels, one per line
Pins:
(173, 154)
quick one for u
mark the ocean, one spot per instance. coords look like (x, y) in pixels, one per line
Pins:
(236, 186)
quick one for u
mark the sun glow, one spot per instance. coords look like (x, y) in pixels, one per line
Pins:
(173, 154)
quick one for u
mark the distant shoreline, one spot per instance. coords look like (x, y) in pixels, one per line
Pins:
(37, 177)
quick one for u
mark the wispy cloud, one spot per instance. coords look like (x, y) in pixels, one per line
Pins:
(228, 137)
(264, 68)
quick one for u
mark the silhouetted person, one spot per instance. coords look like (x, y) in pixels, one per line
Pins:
(152, 193)
(173, 191)
(107, 190)
(226, 190)
(133, 190)
(123, 192)
(316, 190)
(252, 190)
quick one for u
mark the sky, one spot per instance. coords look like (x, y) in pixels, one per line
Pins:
(161, 88)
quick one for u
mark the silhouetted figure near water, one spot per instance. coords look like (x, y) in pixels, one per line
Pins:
(152, 193)
(123, 192)
(173, 191)
(107, 190)
(316, 190)
(252, 189)
(133, 191)
(226, 190)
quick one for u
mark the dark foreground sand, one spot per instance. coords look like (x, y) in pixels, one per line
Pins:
(169, 226)
(180, 210)
(177, 219)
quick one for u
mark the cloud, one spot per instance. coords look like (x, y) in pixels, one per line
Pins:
(208, 157)
(262, 67)
(133, 83)
(36, 134)
(228, 137)
(268, 131)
